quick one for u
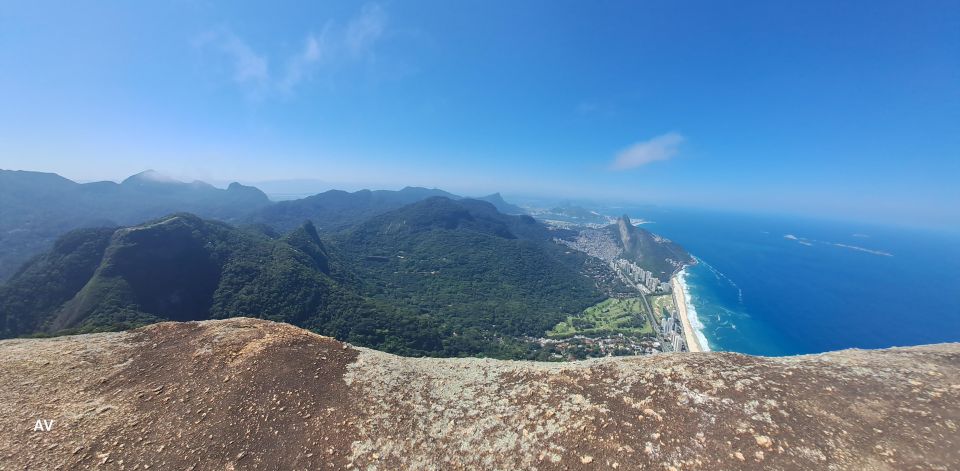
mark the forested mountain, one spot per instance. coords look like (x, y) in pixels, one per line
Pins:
(478, 271)
(183, 268)
(438, 277)
(36, 208)
(502, 205)
(335, 210)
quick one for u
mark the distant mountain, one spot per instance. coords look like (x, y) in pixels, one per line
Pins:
(574, 214)
(504, 207)
(36, 208)
(336, 209)
(648, 250)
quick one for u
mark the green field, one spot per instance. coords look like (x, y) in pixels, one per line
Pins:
(610, 317)
(660, 305)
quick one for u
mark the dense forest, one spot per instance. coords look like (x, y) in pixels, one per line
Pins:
(475, 270)
(184, 268)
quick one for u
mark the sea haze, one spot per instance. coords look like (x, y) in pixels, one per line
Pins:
(780, 286)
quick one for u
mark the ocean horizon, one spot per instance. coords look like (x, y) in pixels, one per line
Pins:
(770, 285)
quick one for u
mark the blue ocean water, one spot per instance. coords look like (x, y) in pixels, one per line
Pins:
(779, 286)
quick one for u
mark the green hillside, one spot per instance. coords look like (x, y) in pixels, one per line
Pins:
(481, 274)
(183, 268)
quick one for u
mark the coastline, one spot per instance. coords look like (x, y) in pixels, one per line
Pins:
(680, 300)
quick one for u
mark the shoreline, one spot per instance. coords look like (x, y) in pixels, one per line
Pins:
(679, 299)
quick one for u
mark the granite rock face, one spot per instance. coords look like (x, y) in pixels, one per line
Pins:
(252, 394)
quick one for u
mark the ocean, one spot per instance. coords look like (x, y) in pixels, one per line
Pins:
(768, 285)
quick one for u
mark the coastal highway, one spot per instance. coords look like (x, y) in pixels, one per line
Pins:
(643, 297)
(649, 314)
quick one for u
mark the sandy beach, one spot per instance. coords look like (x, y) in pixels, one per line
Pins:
(688, 333)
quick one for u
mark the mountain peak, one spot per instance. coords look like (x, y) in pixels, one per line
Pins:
(150, 176)
(496, 199)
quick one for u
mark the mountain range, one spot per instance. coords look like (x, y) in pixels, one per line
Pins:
(36, 208)
(414, 272)
(436, 277)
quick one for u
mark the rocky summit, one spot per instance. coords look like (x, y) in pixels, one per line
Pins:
(252, 394)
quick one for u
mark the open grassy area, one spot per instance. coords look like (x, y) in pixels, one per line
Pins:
(613, 316)
(660, 305)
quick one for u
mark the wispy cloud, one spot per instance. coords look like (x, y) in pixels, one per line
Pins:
(248, 66)
(363, 32)
(300, 67)
(334, 46)
(659, 148)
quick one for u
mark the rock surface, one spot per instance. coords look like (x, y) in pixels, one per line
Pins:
(251, 394)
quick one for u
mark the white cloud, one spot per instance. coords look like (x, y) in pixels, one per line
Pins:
(659, 148)
(312, 51)
(248, 66)
(334, 47)
(364, 31)
(301, 66)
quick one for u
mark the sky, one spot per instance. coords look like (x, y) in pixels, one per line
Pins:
(846, 110)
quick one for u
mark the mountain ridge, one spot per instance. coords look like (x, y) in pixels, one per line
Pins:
(36, 208)
(335, 210)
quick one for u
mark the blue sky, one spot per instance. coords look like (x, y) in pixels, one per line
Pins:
(837, 109)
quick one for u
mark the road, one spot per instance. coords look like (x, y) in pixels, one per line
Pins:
(643, 296)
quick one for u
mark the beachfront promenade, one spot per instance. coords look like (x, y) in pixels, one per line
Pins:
(679, 299)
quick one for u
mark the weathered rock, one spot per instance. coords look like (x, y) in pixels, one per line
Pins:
(251, 394)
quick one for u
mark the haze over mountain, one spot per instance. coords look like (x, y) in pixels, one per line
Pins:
(336, 209)
(36, 208)
(504, 207)
(569, 212)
